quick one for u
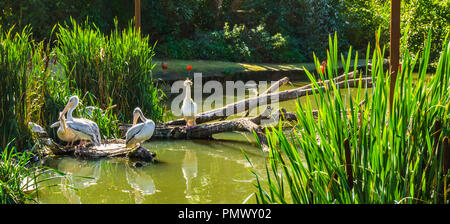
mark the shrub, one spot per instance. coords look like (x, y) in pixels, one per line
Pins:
(235, 44)
(360, 19)
(418, 17)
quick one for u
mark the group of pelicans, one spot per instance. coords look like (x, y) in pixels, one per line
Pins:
(82, 129)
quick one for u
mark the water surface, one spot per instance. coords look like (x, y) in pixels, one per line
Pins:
(187, 171)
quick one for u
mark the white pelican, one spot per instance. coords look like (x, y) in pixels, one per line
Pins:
(64, 133)
(84, 128)
(189, 107)
(141, 132)
(37, 128)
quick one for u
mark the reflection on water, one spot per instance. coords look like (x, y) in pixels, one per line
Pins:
(188, 171)
(81, 174)
(141, 182)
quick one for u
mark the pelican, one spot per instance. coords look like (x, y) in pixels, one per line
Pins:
(84, 128)
(141, 132)
(64, 133)
(189, 107)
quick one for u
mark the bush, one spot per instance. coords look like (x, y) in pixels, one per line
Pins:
(360, 20)
(304, 24)
(235, 44)
(418, 17)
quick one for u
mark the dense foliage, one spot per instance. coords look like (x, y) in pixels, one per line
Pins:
(263, 31)
(21, 71)
(19, 180)
(115, 68)
(418, 17)
(111, 73)
(367, 153)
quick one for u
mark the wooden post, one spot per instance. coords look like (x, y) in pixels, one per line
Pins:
(395, 47)
(137, 14)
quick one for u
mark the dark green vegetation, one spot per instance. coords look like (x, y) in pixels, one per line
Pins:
(367, 153)
(115, 68)
(21, 72)
(18, 178)
(242, 30)
(111, 73)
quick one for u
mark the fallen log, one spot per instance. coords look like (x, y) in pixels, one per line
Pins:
(271, 89)
(242, 105)
(206, 131)
(265, 99)
(109, 148)
(176, 130)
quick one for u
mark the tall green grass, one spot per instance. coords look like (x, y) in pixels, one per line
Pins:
(366, 153)
(37, 80)
(19, 179)
(21, 69)
(117, 67)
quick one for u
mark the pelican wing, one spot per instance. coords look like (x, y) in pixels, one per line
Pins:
(147, 131)
(84, 128)
(93, 126)
(133, 131)
(194, 108)
(189, 108)
(36, 128)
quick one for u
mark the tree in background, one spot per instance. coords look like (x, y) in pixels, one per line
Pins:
(287, 30)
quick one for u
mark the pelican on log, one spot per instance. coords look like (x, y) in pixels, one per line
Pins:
(84, 128)
(189, 107)
(139, 133)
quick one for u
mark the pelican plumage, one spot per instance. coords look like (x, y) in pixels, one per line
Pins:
(139, 133)
(64, 133)
(84, 128)
(189, 107)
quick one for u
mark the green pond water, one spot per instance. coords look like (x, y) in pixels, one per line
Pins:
(187, 171)
(197, 171)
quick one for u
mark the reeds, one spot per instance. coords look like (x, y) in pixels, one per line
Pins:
(20, 71)
(116, 67)
(395, 156)
(36, 81)
(19, 180)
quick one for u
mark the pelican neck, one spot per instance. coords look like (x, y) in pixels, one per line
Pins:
(188, 92)
(144, 119)
(69, 113)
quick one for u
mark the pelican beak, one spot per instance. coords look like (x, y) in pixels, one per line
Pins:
(68, 106)
(135, 118)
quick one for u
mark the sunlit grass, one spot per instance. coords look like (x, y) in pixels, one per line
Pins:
(19, 179)
(365, 153)
(117, 67)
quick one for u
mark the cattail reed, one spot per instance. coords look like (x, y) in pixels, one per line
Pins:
(117, 67)
(393, 157)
